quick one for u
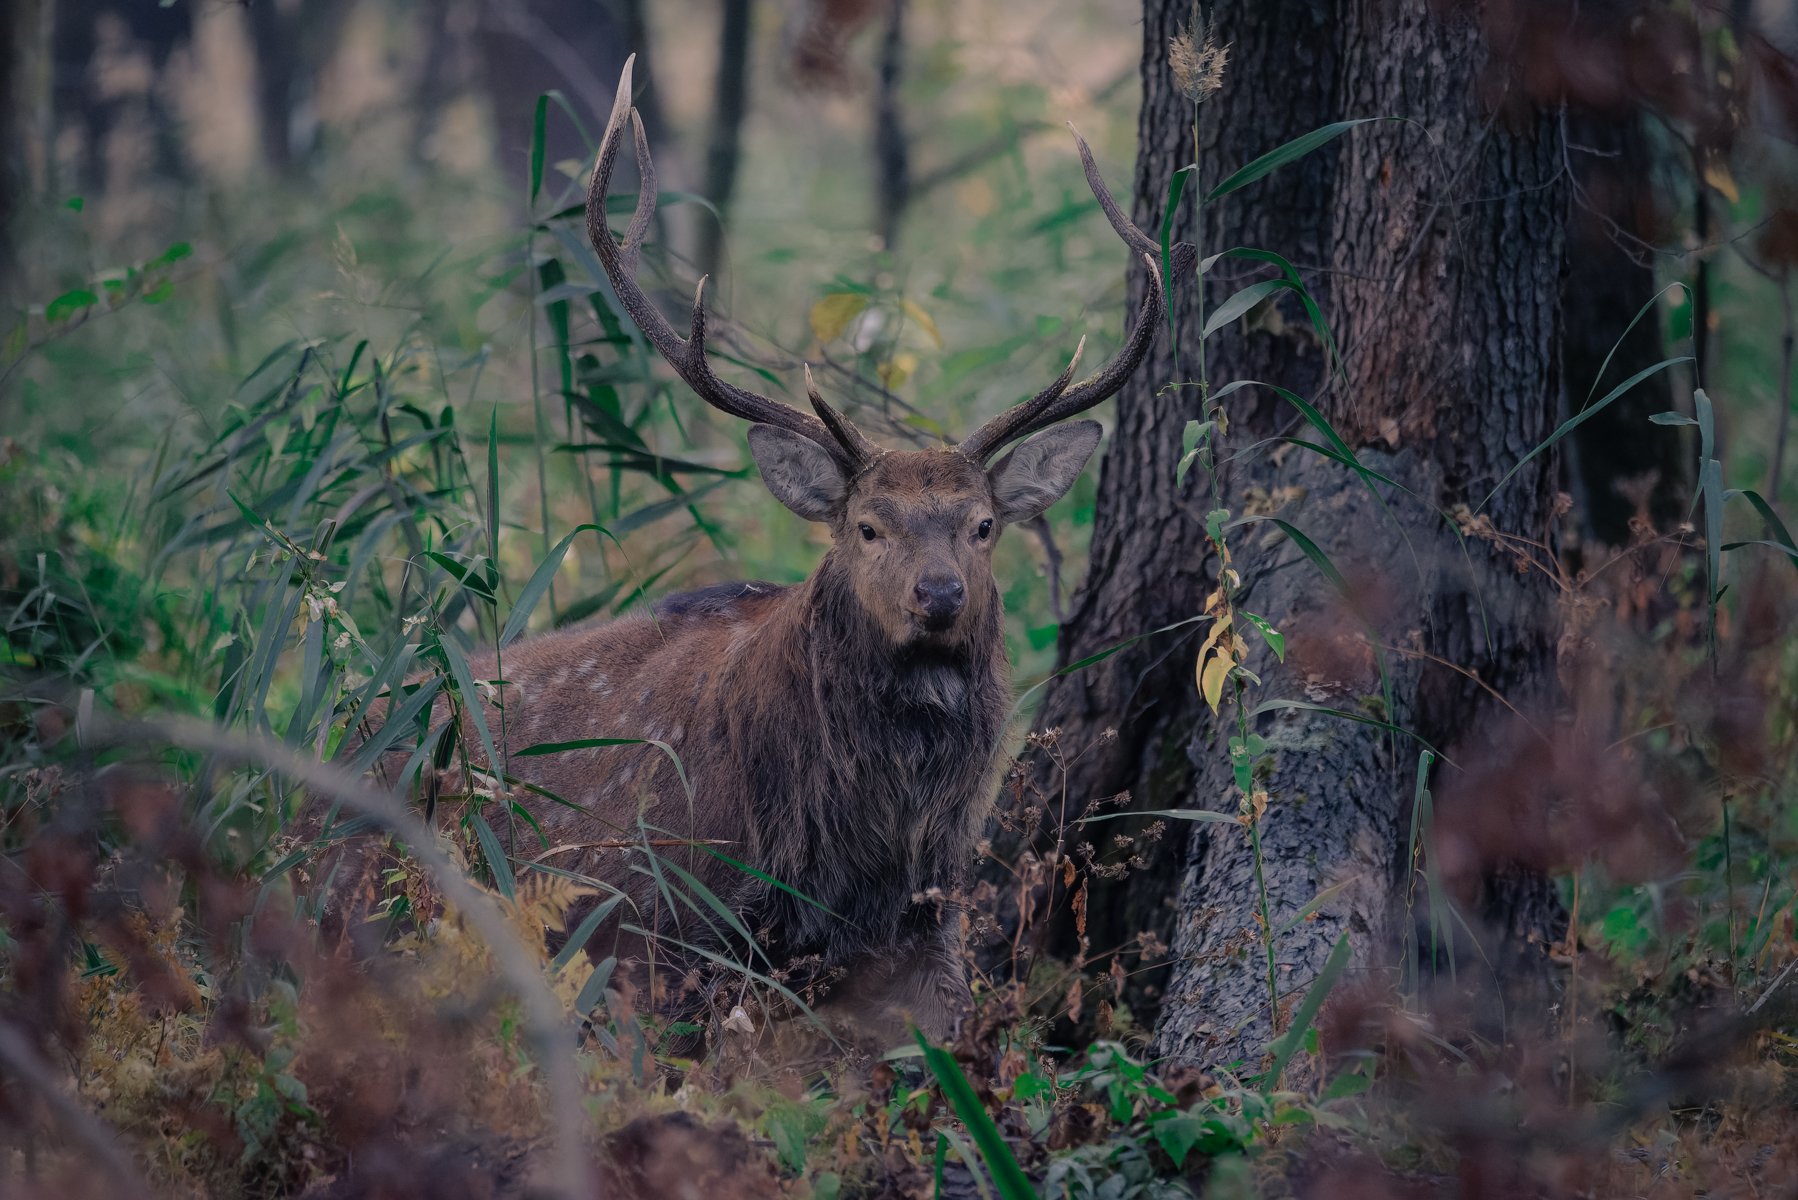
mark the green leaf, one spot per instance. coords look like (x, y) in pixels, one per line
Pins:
(1276, 641)
(1013, 1184)
(768, 879)
(1267, 706)
(595, 987)
(1291, 152)
(1312, 311)
(463, 575)
(69, 303)
(1177, 1133)
(471, 699)
(540, 580)
(1287, 1044)
(1672, 418)
(1175, 187)
(1615, 346)
(1241, 303)
(589, 925)
(496, 857)
(1175, 814)
(539, 127)
(493, 485)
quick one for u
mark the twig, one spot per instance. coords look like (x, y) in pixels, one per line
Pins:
(92, 1135)
(1772, 987)
(542, 1015)
(1039, 525)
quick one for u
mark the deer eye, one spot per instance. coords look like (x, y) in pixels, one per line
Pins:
(868, 533)
(986, 529)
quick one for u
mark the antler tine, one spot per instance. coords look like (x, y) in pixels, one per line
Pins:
(1006, 426)
(686, 356)
(1058, 402)
(1138, 241)
(1108, 382)
(853, 442)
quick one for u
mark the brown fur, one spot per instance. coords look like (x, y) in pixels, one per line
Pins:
(836, 736)
(830, 738)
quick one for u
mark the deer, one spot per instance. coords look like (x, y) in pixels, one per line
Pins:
(836, 739)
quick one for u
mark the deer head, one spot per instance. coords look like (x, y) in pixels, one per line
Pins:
(913, 530)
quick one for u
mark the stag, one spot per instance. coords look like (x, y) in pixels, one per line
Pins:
(838, 736)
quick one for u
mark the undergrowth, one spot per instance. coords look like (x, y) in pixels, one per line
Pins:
(311, 573)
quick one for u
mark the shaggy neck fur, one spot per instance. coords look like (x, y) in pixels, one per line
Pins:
(873, 787)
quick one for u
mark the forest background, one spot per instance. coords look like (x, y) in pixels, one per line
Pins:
(1486, 887)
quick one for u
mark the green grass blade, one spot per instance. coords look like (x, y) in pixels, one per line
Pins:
(539, 583)
(1267, 706)
(1177, 814)
(1580, 418)
(471, 700)
(1291, 152)
(1782, 537)
(584, 931)
(1313, 311)
(1287, 1044)
(595, 987)
(1240, 303)
(496, 857)
(539, 128)
(1013, 1184)
(1175, 188)
(1615, 346)
(768, 879)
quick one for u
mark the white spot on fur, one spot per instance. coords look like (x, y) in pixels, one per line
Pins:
(601, 685)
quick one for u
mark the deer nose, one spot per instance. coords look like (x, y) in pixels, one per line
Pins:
(941, 597)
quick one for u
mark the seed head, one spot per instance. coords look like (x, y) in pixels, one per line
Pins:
(1197, 60)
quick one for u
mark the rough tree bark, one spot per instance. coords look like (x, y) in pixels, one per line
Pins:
(1435, 249)
(1148, 567)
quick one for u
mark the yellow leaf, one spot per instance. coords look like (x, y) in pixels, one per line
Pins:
(1218, 628)
(831, 315)
(1716, 173)
(916, 313)
(1211, 679)
(897, 369)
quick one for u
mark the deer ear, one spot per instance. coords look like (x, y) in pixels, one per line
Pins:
(799, 472)
(1040, 470)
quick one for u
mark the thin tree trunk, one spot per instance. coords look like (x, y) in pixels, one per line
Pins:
(892, 155)
(26, 64)
(730, 99)
(1618, 456)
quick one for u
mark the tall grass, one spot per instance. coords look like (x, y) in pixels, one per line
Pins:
(305, 566)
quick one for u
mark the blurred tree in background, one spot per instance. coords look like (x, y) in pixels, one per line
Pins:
(1423, 641)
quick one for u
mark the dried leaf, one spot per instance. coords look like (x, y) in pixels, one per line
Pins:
(831, 315)
(924, 319)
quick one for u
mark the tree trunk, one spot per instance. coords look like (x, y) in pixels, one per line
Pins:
(892, 154)
(25, 128)
(1437, 260)
(1619, 461)
(1149, 563)
(730, 102)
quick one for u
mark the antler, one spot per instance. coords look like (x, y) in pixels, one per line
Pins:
(1058, 402)
(828, 429)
